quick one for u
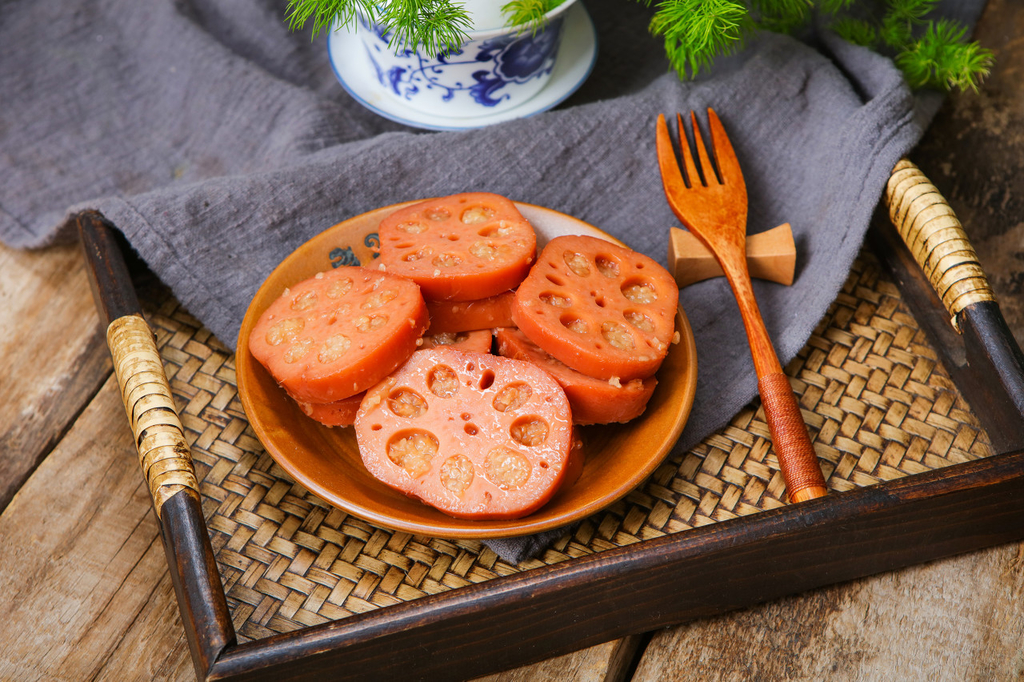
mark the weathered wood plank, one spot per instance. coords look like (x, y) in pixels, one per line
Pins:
(53, 356)
(157, 624)
(957, 619)
(82, 561)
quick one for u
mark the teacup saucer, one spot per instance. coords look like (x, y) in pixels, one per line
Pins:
(575, 61)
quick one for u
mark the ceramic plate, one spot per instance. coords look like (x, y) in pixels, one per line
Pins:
(357, 75)
(326, 460)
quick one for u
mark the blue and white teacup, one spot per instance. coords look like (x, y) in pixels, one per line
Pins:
(496, 70)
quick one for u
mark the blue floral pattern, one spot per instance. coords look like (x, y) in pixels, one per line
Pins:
(372, 242)
(497, 65)
(342, 256)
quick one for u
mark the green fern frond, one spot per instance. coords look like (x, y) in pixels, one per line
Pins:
(529, 13)
(856, 31)
(782, 16)
(912, 11)
(894, 32)
(696, 31)
(942, 59)
(435, 26)
(900, 20)
(324, 13)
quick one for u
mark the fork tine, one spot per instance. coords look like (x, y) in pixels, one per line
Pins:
(684, 148)
(728, 165)
(710, 175)
(667, 162)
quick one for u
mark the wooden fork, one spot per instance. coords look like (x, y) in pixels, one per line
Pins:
(714, 209)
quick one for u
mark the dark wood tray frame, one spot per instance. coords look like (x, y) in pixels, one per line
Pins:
(531, 616)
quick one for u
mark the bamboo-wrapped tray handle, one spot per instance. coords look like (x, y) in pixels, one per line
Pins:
(164, 454)
(936, 239)
(988, 355)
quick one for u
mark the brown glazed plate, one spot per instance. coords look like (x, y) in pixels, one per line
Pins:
(326, 460)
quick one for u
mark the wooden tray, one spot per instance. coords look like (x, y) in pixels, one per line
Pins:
(708, 533)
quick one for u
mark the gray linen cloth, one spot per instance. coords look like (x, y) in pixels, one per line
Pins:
(218, 142)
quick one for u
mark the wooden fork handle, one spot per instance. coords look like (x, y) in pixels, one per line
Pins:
(799, 464)
(797, 460)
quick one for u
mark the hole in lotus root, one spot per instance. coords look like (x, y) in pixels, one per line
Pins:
(405, 402)
(617, 335)
(577, 262)
(506, 468)
(529, 431)
(486, 379)
(378, 299)
(485, 250)
(477, 214)
(446, 260)
(411, 227)
(471, 429)
(439, 213)
(367, 323)
(639, 320)
(333, 348)
(639, 292)
(443, 381)
(418, 255)
(339, 287)
(304, 301)
(607, 267)
(285, 330)
(457, 474)
(413, 450)
(556, 300)
(512, 397)
(298, 350)
(574, 324)
(503, 228)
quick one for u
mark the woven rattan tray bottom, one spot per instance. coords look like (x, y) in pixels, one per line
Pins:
(878, 403)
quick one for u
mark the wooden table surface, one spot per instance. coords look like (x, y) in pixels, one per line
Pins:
(87, 593)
